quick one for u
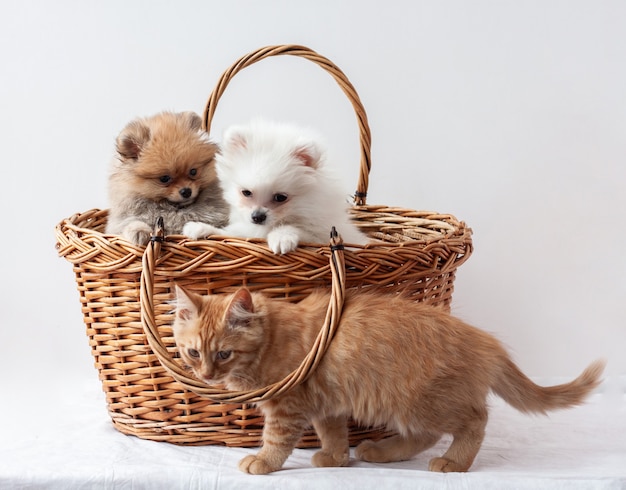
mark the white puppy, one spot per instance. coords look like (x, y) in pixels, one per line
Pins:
(275, 179)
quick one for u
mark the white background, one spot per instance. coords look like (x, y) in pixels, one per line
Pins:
(510, 115)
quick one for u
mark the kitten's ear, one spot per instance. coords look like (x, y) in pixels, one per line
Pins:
(240, 309)
(235, 138)
(132, 139)
(187, 304)
(192, 119)
(309, 154)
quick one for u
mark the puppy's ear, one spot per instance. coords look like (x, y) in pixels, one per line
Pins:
(309, 154)
(192, 119)
(235, 138)
(132, 140)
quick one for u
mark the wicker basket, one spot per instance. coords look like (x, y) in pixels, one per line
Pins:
(125, 292)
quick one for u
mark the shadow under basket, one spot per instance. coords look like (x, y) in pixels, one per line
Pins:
(414, 252)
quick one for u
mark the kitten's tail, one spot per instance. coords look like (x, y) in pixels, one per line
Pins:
(520, 392)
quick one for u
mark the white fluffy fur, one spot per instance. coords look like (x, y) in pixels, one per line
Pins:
(273, 162)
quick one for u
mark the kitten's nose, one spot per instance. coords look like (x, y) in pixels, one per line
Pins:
(258, 217)
(185, 192)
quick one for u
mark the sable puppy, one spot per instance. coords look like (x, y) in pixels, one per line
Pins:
(164, 167)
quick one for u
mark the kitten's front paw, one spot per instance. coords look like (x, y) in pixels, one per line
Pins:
(255, 466)
(196, 230)
(370, 451)
(444, 465)
(328, 459)
(282, 240)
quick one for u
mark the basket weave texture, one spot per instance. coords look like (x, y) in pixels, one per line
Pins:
(126, 292)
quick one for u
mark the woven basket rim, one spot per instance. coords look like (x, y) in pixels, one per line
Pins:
(441, 226)
(79, 243)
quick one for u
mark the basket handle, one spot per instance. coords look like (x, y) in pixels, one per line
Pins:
(308, 365)
(304, 52)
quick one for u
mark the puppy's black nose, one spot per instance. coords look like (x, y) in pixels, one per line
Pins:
(258, 217)
(185, 192)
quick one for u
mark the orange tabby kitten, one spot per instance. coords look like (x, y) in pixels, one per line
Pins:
(413, 368)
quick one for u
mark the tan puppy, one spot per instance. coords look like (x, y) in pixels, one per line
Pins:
(164, 167)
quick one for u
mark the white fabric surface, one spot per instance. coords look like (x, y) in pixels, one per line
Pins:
(56, 437)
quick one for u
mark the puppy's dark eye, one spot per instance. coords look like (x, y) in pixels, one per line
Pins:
(280, 197)
(193, 172)
(246, 193)
(193, 353)
(165, 179)
(223, 355)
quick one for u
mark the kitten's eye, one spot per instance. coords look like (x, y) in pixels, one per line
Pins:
(280, 197)
(193, 353)
(246, 193)
(165, 179)
(193, 172)
(223, 355)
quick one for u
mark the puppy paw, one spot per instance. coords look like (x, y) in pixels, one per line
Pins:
(196, 230)
(137, 233)
(328, 459)
(253, 465)
(283, 239)
(444, 465)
